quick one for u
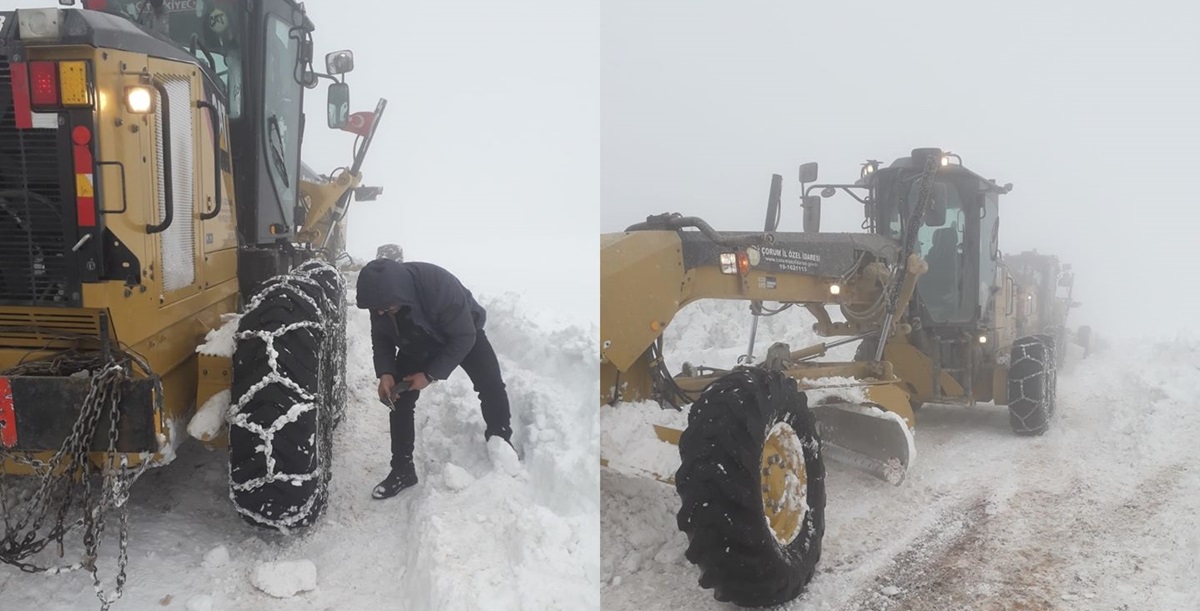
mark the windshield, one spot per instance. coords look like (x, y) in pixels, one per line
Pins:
(946, 288)
(281, 107)
(209, 29)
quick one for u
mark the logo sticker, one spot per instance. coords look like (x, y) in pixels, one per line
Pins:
(754, 256)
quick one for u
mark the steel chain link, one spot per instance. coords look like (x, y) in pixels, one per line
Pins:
(68, 469)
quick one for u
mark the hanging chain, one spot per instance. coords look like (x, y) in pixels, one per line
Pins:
(60, 478)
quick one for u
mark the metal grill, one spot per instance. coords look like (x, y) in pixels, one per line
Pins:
(32, 330)
(33, 249)
(179, 240)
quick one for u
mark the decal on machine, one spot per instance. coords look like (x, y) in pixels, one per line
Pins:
(784, 259)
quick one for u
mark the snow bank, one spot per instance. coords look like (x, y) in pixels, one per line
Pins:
(716, 332)
(629, 442)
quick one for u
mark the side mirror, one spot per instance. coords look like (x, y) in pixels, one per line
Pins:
(367, 194)
(774, 197)
(812, 213)
(339, 62)
(338, 107)
(808, 172)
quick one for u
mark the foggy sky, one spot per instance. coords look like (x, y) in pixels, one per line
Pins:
(1090, 109)
(488, 151)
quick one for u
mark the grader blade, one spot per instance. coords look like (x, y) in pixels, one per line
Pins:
(866, 437)
(867, 425)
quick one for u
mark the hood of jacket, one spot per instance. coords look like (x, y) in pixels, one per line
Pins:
(384, 283)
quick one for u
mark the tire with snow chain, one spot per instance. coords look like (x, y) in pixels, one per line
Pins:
(1032, 384)
(280, 430)
(752, 486)
(333, 284)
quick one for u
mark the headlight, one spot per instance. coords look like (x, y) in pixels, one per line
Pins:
(138, 99)
(729, 263)
(38, 23)
(835, 289)
(983, 339)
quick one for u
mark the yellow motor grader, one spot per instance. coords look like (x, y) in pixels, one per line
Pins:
(150, 187)
(939, 316)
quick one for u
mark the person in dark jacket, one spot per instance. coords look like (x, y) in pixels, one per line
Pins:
(424, 325)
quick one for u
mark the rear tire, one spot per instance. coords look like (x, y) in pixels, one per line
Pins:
(286, 389)
(721, 486)
(1032, 385)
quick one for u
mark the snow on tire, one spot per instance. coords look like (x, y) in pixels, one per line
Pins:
(749, 433)
(333, 284)
(1032, 382)
(280, 425)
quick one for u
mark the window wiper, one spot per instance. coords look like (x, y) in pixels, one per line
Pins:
(276, 141)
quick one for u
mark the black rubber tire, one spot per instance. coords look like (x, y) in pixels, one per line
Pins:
(719, 485)
(333, 352)
(866, 352)
(299, 447)
(1032, 382)
(1056, 359)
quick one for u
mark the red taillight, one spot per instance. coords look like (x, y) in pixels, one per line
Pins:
(43, 83)
(95, 5)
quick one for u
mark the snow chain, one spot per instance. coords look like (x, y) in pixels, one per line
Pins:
(331, 330)
(66, 474)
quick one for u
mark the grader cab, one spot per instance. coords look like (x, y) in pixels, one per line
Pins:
(924, 291)
(151, 191)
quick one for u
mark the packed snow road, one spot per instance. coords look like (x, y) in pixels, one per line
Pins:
(1102, 512)
(478, 532)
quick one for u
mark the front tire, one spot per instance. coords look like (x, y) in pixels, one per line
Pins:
(752, 486)
(285, 398)
(1032, 385)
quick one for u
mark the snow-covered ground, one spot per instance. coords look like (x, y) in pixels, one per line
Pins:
(476, 533)
(1102, 512)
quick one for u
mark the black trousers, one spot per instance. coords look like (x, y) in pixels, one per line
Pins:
(482, 366)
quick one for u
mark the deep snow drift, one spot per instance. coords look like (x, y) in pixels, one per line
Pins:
(478, 532)
(1102, 512)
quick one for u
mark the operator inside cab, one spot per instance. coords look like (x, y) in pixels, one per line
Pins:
(203, 27)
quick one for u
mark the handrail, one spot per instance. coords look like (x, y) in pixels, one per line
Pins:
(168, 186)
(216, 125)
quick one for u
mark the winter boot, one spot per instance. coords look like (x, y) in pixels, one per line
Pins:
(504, 433)
(400, 478)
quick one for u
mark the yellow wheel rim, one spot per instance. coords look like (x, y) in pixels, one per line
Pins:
(784, 483)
